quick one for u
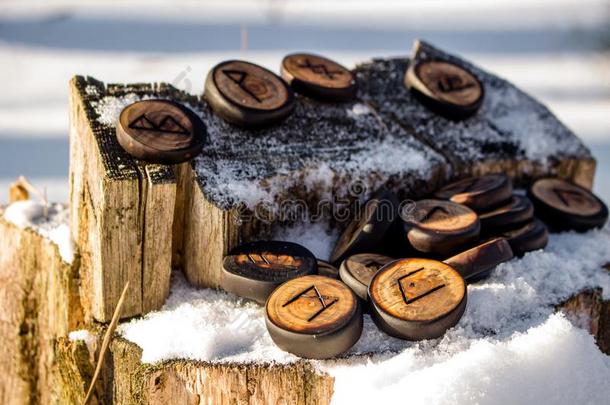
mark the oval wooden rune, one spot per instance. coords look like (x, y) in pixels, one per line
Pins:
(519, 210)
(255, 269)
(477, 263)
(314, 317)
(247, 94)
(318, 77)
(366, 232)
(479, 193)
(358, 270)
(160, 131)
(529, 237)
(327, 269)
(417, 298)
(563, 205)
(438, 226)
(444, 87)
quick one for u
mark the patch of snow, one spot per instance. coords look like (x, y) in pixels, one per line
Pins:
(316, 237)
(109, 108)
(30, 214)
(85, 336)
(505, 314)
(359, 109)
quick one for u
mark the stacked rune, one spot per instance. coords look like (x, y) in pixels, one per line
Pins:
(406, 263)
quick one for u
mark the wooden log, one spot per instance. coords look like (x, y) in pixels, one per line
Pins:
(122, 210)
(40, 301)
(493, 140)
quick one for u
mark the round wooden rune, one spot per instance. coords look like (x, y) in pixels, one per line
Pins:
(358, 270)
(529, 237)
(160, 131)
(367, 231)
(479, 193)
(318, 77)
(417, 298)
(314, 317)
(438, 226)
(519, 210)
(563, 205)
(247, 94)
(255, 269)
(444, 87)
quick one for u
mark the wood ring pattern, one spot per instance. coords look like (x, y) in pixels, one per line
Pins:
(318, 77)
(160, 131)
(311, 305)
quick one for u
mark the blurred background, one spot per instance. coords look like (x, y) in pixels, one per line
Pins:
(558, 50)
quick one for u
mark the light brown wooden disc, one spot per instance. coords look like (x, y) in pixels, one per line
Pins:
(440, 216)
(317, 72)
(357, 271)
(311, 305)
(251, 86)
(566, 197)
(417, 290)
(449, 83)
(160, 131)
(478, 193)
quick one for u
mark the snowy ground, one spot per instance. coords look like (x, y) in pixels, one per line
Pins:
(553, 49)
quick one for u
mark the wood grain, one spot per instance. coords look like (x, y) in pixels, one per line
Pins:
(311, 305)
(419, 290)
(566, 197)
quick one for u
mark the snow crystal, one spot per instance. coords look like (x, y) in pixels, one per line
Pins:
(30, 214)
(109, 108)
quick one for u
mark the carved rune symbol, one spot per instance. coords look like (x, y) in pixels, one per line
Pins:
(313, 293)
(320, 69)
(435, 212)
(450, 84)
(270, 261)
(409, 300)
(566, 195)
(168, 124)
(239, 77)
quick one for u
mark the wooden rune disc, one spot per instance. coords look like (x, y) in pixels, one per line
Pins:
(438, 226)
(326, 269)
(518, 211)
(478, 262)
(314, 317)
(417, 298)
(564, 206)
(445, 88)
(367, 231)
(357, 271)
(479, 193)
(253, 270)
(318, 77)
(246, 94)
(529, 237)
(160, 131)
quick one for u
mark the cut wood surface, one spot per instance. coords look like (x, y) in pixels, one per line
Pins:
(122, 209)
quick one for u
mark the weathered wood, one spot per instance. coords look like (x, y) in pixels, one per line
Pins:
(39, 300)
(122, 209)
(492, 140)
(187, 382)
(159, 187)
